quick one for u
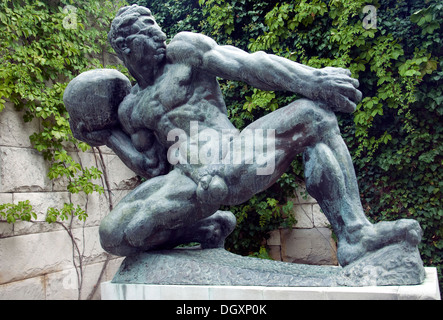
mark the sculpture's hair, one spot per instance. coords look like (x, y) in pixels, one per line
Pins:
(121, 25)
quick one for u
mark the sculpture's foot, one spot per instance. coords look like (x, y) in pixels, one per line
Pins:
(210, 232)
(376, 236)
(385, 253)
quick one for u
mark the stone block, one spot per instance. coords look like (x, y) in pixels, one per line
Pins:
(64, 285)
(96, 206)
(6, 229)
(117, 195)
(41, 253)
(426, 291)
(319, 218)
(303, 215)
(6, 198)
(274, 238)
(105, 150)
(91, 281)
(41, 201)
(34, 255)
(241, 293)
(23, 170)
(28, 289)
(275, 252)
(120, 177)
(302, 196)
(14, 132)
(89, 242)
(112, 267)
(308, 246)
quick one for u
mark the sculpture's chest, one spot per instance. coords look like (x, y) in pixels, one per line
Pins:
(170, 91)
(174, 87)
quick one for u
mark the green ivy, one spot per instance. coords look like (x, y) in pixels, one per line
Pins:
(43, 45)
(21, 211)
(395, 135)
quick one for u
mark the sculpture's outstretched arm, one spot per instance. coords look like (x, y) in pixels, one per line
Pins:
(334, 86)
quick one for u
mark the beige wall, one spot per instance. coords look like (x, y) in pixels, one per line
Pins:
(36, 258)
(309, 241)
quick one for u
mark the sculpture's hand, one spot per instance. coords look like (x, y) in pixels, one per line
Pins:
(336, 88)
(93, 138)
(148, 163)
(154, 161)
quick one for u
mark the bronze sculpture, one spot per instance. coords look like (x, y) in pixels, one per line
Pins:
(177, 96)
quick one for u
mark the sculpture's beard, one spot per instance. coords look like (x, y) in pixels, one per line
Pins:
(160, 55)
(154, 50)
(149, 57)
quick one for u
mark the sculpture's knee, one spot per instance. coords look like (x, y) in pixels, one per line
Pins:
(112, 237)
(109, 239)
(319, 122)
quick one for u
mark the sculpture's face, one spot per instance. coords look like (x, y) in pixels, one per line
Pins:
(146, 43)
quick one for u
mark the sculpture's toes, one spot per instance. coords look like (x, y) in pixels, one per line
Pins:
(410, 229)
(216, 228)
(390, 232)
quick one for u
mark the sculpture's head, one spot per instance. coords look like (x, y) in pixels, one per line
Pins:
(138, 40)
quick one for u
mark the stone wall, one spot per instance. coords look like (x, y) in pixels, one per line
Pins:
(310, 240)
(36, 258)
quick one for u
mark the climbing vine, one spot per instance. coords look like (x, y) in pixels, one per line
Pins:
(43, 45)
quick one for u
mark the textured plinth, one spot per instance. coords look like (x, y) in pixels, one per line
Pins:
(428, 290)
(389, 266)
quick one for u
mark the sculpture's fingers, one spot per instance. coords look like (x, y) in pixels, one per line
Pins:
(344, 104)
(350, 92)
(345, 71)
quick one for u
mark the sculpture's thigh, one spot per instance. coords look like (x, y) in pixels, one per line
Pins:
(298, 125)
(287, 132)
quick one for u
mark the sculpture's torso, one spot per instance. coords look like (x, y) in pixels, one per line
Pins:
(180, 95)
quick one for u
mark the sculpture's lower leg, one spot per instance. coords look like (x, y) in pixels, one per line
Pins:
(330, 178)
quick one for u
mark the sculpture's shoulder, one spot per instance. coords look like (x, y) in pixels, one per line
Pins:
(189, 47)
